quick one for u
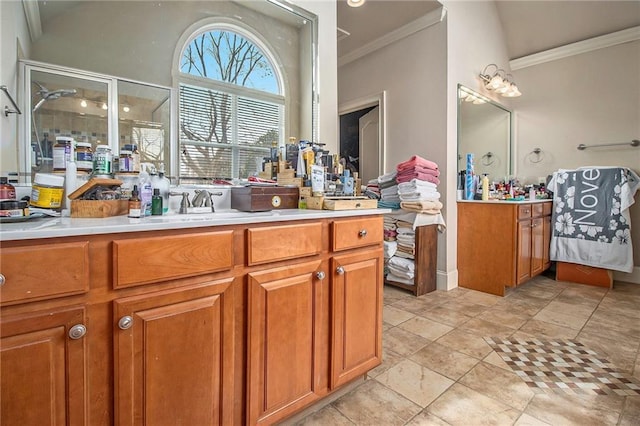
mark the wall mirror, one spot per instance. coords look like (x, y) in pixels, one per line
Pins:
(142, 43)
(484, 129)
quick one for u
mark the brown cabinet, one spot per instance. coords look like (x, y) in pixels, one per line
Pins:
(502, 244)
(356, 320)
(173, 359)
(284, 345)
(219, 325)
(43, 365)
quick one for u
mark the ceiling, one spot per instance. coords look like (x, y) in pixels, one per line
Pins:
(529, 26)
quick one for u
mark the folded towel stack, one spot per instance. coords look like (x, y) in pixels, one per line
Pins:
(372, 189)
(401, 269)
(389, 249)
(388, 191)
(389, 227)
(418, 168)
(418, 185)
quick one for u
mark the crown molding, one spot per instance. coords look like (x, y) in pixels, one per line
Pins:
(584, 46)
(32, 14)
(412, 27)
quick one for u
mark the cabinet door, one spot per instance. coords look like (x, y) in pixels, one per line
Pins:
(284, 348)
(174, 356)
(537, 246)
(356, 306)
(523, 269)
(43, 369)
(546, 242)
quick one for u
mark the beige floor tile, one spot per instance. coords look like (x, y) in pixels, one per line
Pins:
(389, 359)
(425, 418)
(504, 316)
(325, 416)
(462, 306)
(542, 329)
(444, 360)
(498, 384)
(393, 294)
(526, 306)
(415, 382)
(426, 328)
(469, 344)
(614, 326)
(479, 298)
(484, 328)
(631, 413)
(402, 342)
(375, 404)
(417, 305)
(394, 316)
(627, 307)
(463, 406)
(445, 316)
(561, 409)
(569, 308)
(562, 319)
(527, 420)
(494, 359)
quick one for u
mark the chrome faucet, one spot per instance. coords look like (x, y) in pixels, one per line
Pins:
(203, 198)
(184, 204)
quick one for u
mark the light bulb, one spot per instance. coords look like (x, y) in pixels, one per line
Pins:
(126, 108)
(495, 83)
(83, 103)
(355, 3)
(104, 105)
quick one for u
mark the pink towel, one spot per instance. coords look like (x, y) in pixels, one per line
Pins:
(418, 175)
(417, 161)
(418, 169)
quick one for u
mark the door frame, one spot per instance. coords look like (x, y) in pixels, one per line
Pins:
(379, 100)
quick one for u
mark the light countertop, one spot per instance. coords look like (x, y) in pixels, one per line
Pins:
(526, 201)
(65, 226)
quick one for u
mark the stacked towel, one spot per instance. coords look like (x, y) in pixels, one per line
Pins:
(400, 269)
(418, 186)
(372, 189)
(388, 191)
(389, 249)
(389, 226)
(418, 168)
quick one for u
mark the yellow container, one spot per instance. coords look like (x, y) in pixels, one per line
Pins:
(47, 191)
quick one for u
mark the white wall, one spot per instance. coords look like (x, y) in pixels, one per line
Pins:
(412, 71)
(13, 32)
(591, 98)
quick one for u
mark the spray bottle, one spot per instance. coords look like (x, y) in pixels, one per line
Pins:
(146, 190)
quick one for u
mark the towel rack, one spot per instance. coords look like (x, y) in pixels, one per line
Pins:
(634, 142)
(7, 110)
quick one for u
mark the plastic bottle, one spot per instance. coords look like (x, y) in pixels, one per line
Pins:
(485, 187)
(7, 191)
(164, 185)
(146, 190)
(70, 176)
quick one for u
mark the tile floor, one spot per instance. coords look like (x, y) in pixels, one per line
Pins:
(438, 370)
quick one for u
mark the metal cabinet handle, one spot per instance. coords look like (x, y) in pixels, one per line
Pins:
(2, 280)
(125, 322)
(320, 275)
(77, 331)
(362, 233)
(340, 270)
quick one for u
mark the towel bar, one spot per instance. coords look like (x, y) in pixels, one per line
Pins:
(8, 111)
(634, 142)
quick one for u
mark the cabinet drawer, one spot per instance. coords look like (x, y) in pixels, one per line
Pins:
(146, 260)
(275, 243)
(537, 209)
(347, 234)
(524, 211)
(546, 209)
(51, 270)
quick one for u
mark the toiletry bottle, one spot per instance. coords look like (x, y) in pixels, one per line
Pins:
(146, 190)
(135, 206)
(70, 176)
(156, 203)
(485, 187)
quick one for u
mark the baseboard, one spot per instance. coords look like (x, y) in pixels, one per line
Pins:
(631, 277)
(446, 281)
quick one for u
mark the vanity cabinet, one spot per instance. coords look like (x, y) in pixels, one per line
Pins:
(174, 356)
(502, 244)
(213, 325)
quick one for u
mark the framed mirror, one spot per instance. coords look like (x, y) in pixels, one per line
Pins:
(484, 130)
(144, 43)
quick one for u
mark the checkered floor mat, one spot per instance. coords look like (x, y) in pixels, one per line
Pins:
(563, 366)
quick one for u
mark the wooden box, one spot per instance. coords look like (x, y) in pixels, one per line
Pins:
(290, 181)
(263, 198)
(305, 191)
(315, 203)
(583, 274)
(349, 203)
(97, 208)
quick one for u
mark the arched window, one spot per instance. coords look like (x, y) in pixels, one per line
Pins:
(231, 104)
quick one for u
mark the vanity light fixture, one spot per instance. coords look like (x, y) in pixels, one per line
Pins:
(499, 81)
(355, 3)
(474, 98)
(126, 108)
